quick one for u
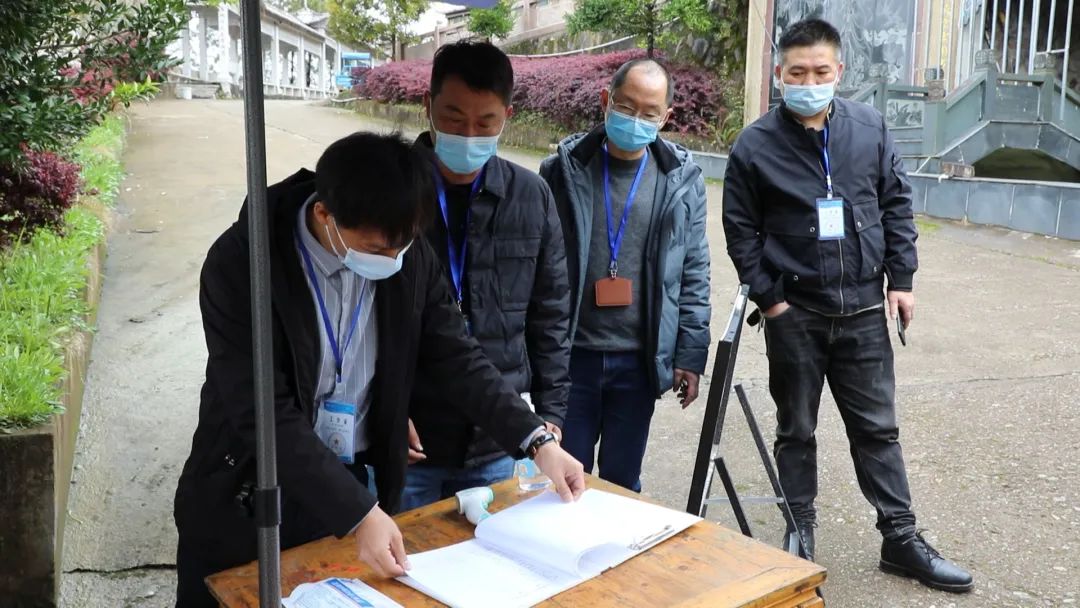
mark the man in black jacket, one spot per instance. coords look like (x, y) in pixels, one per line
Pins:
(360, 305)
(817, 212)
(498, 235)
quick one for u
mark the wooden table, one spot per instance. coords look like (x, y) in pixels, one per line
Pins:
(706, 566)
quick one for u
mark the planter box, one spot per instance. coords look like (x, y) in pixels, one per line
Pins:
(35, 476)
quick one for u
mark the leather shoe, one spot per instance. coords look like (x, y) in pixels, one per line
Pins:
(806, 532)
(915, 558)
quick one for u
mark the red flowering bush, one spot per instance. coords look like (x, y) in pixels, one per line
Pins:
(36, 195)
(566, 90)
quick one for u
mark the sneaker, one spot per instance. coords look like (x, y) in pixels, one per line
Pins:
(915, 558)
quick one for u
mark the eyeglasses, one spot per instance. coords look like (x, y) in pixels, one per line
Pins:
(624, 108)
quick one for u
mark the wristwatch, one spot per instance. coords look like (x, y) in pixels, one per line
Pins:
(543, 439)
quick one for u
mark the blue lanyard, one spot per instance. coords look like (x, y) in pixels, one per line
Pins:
(457, 252)
(615, 238)
(338, 354)
(828, 168)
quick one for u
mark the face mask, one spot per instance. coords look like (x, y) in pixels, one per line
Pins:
(629, 133)
(368, 265)
(808, 100)
(464, 155)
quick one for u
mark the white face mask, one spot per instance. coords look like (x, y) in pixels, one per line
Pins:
(368, 265)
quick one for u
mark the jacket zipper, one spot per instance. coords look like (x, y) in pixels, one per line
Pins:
(839, 242)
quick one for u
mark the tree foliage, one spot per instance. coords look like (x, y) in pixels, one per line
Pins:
(638, 18)
(375, 23)
(494, 22)
(61, 59)
(722, 23)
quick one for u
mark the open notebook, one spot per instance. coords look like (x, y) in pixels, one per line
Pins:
(541, 547)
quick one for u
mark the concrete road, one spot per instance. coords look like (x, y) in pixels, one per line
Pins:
(989, 387)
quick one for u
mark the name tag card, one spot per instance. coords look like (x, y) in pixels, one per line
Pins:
(615, 291)
(830, 219)
(336, 426)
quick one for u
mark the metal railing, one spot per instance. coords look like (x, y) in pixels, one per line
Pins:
(969, 32)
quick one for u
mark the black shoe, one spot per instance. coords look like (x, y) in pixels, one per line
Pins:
(915, 558)
(806, 533)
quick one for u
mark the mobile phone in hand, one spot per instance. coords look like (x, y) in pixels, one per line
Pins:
(900, 330)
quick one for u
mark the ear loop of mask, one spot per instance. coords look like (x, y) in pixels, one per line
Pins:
(331, 239)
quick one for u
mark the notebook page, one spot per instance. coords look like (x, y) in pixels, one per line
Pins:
(470, 575)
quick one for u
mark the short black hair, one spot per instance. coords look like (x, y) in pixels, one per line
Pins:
(652, 66)
(482, 65)
(809, 32)
(376, 181)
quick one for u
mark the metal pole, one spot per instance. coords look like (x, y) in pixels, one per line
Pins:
(993, 26)
(1033, 43)
(941, 41)
(973, 33)
(959, 54)
(982, 29)
(1019, 37)
(1050, 28)
(1005, 37)
(926, 30)
(1065, 60)
(267, 498)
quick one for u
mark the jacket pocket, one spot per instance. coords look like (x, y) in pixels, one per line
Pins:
(515, 260)
(866, 216)
(793, 250)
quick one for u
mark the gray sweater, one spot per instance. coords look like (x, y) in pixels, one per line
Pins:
(617, 329)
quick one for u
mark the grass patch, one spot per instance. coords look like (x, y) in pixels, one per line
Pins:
(43, 289)
(99, 155)
(926, 226)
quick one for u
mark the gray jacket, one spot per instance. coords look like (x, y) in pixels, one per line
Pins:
(676, 274)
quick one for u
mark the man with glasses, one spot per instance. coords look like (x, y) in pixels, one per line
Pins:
(632, 208)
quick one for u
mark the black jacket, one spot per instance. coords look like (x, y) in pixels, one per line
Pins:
(418, 328)
(774, 176)
(519, 303)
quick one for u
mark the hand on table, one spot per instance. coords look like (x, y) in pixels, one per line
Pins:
(380, 545)
(567, 473)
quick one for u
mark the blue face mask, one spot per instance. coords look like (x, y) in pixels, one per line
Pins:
(464, 155)
(371, 266)
(629, 133)
(808, 100)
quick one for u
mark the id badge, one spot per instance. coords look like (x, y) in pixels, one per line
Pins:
(336, 426)
(830, 213)
(615, 291)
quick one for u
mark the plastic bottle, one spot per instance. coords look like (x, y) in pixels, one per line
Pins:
(529, 476)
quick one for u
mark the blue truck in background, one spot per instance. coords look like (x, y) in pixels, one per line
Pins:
(353, 66)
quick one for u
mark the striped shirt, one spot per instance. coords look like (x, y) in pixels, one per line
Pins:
(342, 289)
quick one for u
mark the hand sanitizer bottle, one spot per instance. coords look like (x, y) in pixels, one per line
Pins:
(529, 476)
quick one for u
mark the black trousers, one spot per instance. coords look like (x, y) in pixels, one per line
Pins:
(855, 355)
(199, 555)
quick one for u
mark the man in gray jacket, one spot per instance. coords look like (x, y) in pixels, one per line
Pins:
(632, 207)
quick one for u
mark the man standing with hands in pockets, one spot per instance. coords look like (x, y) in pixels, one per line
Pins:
(817, 213)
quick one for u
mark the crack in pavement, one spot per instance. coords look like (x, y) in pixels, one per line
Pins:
(142, 567)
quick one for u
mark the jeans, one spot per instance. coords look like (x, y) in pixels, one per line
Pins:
(854, 353)
(611, 402)
(427, 484)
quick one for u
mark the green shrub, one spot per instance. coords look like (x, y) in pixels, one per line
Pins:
(43, 290)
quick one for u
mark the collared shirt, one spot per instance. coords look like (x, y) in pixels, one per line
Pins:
(342, 289)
